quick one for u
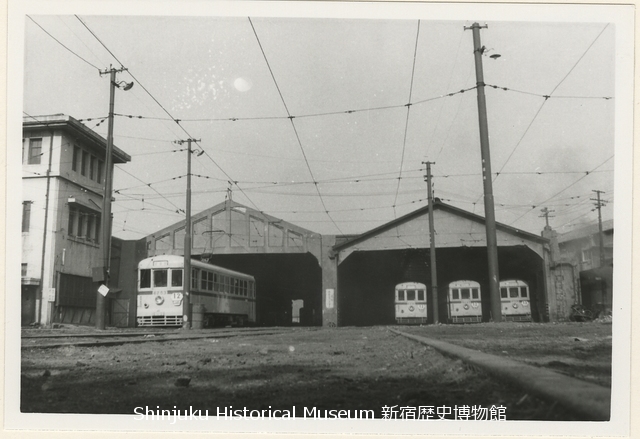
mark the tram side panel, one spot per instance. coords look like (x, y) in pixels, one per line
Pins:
(227, 297)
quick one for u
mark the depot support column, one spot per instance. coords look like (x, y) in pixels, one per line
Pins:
(329, 265)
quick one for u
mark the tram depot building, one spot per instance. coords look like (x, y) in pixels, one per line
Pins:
(301, 277)
(350, 280)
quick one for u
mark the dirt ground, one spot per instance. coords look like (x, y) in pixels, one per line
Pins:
(332, 369)
(581, 350)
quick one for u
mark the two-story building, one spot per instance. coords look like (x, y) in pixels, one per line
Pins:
(63, 175)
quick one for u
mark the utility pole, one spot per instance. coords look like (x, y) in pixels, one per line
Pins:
(599, 205)
(44, 240)
(489, 209)
(432, 246)
(101, 300)
(186, 300)
(545, 214)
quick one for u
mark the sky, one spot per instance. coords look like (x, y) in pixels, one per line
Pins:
(307, 119)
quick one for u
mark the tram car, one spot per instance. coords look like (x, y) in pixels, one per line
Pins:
(515, 301)
(464, 302)
(411, 303)
(227, 297)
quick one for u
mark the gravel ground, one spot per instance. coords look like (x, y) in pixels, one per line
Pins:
(327, 369)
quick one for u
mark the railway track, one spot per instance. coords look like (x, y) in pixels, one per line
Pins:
(48, 341)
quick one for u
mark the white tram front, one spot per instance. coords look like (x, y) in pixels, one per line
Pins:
(464, 302)
(515, 300)
(223, 296)
(411, 303)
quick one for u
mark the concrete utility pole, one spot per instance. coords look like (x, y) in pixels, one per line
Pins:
(599, 205)
(432, 246)
(186, 300)
(489, 209)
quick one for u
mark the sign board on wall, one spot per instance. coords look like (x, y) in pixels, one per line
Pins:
(51, 294)
(329, 298)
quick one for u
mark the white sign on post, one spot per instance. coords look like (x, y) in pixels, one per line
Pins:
(51, 294)
(103, 289)
(329, 298)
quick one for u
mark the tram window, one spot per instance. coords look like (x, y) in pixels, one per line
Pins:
(465, 293)
(504, 293)
(159, 278)
(400, 294)
(455, 294)
(421, 295)
(203, 281)
(194, 278)
(524, 292)
(226, 284)
(145, 278)
(474, 293)
(176, 278)
(411, 294)
(210, 281)
(513, 292)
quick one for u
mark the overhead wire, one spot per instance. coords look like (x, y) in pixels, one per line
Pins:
(546, 98)
(406, 124)
(293, 125)
(564, 189)
(177, 121)
(59, 42)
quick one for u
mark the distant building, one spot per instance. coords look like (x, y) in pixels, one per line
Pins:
(63, 174)
(582, 269)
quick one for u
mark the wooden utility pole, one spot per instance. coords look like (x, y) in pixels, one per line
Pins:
(489, 209)
(186, 281)
(432, 246)
(545, 214)
(101, 300)
(599, 205)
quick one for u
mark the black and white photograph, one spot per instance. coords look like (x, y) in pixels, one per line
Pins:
(319, 217)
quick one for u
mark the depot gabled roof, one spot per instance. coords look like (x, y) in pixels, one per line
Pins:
(437, 205)
(76, 129)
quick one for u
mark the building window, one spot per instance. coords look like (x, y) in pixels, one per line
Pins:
(84, 224)
(35, 151)
(586, 256)
(26, 215)
(276, 236)
(92, 168)
(100, 171)
(91, 233)
(76, 158)
(256, 232)
(23, 271)
(72, 222)
(97, 229)
(85, 163)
